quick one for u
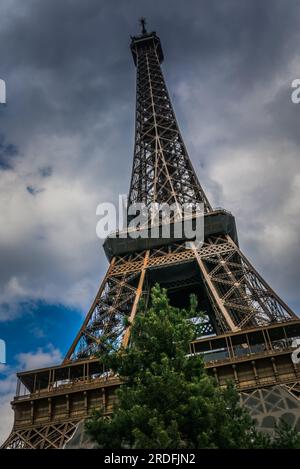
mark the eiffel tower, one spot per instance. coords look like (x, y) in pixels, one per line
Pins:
(248, 332)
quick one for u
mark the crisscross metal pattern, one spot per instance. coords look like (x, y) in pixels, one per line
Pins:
(162, 171)
(51, 436)
(247, 298)
(239, 296)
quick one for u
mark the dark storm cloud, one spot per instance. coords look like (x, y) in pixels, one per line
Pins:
(34, 190)
(7, 153)
(46, 171)
(68, 62)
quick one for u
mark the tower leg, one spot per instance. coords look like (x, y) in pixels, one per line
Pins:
(117, 299)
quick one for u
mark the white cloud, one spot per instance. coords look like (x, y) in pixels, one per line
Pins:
(6, 413)
(49, 239)
(39, 359)
(25, 361)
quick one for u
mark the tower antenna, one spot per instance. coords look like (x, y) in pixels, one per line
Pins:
(143, 24)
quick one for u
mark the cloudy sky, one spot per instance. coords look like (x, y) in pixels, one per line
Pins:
(66, 144)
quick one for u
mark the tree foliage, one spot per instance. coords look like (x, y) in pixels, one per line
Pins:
(168, 400)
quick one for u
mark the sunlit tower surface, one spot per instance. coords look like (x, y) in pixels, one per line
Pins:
(248, 334)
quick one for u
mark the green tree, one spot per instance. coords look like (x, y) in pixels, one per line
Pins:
(167, 399)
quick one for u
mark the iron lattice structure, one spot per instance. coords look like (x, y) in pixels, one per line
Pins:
(162, 171)
(248, 331)
(239, 296)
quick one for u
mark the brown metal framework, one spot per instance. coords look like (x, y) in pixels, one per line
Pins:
(249, 330)
(239, 295)
(162, 171)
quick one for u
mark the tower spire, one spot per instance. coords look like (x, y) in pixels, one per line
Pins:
(143, 25)
(162, 171)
